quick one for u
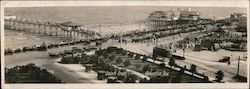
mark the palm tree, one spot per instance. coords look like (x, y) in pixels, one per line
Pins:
(219, 76)
(193, 68)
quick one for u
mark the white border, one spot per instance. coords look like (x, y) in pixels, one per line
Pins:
(195, 3)
(212, 3)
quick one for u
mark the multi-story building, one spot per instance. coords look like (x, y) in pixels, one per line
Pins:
(166, 19)
(189, 15)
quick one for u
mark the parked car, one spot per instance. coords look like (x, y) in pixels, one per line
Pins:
(225, 59)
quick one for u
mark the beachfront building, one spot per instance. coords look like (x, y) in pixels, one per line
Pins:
(236, 16)
(241, 19)
(158, 20)
(188, 14)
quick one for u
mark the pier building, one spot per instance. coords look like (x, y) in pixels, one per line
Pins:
(171, 19)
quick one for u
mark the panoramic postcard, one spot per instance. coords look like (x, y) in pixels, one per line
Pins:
(125, 44)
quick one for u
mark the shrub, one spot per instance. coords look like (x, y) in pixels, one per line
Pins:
(126, 63)
(138, 66)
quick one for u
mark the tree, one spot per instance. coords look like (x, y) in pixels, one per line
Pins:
(119, 60)
(205, 78)
(193, 68)
(137, 57)
(131, 54)
(171, 62)
(138, 66)
(131, 78)
(162, 65)
(126, 63)
(124, 52)
(94, 59)
(105, 55)
(182, 71)
(112, 58)
(219, 75)
(146, 68)
(144, 59)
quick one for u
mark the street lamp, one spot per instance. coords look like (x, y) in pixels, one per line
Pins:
(121, 39)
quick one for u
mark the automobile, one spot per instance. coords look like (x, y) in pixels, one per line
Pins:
(53, 54)
(18, 50)
(25, 49)
(68, 52)
(225, 59)
(8, 51)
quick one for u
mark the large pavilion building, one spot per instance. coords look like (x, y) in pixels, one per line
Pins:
(172, 18)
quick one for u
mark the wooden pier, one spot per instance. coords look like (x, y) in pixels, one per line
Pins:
(68, 30)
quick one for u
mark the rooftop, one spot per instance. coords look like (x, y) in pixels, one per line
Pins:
(70, 24)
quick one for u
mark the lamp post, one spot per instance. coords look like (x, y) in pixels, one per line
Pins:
(99, 29)
(121, 39)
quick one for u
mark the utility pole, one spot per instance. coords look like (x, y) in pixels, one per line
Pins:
(139, 25)
(100, 29)
(214, 21)
(238, 66)
(121, 40)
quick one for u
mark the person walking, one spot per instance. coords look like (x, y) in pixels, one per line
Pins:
(229, 62)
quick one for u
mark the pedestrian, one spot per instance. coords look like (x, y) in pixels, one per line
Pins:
(228, 63)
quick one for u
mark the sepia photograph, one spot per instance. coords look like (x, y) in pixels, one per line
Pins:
(138, 44)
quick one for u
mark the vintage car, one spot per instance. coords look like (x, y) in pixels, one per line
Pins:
(225, 59)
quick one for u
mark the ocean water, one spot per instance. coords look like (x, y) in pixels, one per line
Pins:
(109, 14)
